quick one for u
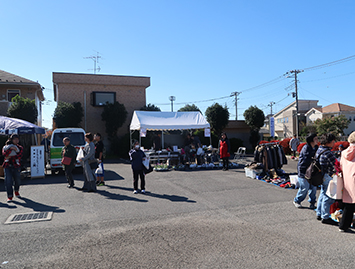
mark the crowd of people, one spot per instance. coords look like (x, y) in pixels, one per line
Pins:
(343, 167)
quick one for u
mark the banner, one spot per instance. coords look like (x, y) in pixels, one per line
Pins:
(37, 161)
(207, 132)
(272, 127)
(143, 132)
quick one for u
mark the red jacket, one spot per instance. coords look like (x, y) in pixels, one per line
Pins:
(223, 149)
(12, 160)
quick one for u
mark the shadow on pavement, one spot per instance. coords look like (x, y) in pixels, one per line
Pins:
(7, 205)
(28, 203)
(119, 197)
(172, 198)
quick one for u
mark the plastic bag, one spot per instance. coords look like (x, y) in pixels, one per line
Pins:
(146, 162)
(332, 188)
(80, 154)
(200, 151)
(99, 170)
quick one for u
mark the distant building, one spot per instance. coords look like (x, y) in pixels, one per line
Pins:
(285, 119)
(333, 110)
(12, 85)
(93, 91)
(238, 129)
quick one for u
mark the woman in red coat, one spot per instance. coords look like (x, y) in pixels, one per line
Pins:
(224, 147)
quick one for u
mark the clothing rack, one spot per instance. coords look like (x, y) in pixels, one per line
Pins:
(270, 143)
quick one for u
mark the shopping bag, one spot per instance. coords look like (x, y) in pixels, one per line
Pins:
(80, 154)
(146, 162)
(99, 170)
(332, 188)
(66, 160)
(147, 170)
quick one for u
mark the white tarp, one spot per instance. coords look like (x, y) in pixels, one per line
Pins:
(156, 120)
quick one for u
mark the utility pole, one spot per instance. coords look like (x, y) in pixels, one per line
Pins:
(172, 99)
(295, 94)
(270, 105)
(235, 94)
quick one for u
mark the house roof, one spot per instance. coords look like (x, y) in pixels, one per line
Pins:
(337, 107)
(8, 78)
(312, 109)
(292, 104)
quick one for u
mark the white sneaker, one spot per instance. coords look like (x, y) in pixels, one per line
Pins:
(143, 191)
(135, 192)
(297, 205)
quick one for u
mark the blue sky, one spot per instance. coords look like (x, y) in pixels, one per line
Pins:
(194, 50)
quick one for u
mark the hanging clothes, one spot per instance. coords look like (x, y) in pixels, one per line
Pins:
(270, 155)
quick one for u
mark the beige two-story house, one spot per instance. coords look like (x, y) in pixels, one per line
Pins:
(12, 85)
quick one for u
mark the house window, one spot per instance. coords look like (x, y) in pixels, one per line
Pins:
(11, 94)
(102, 98)
(287, 119)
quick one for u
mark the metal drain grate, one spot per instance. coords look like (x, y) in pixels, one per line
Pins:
(29, 217)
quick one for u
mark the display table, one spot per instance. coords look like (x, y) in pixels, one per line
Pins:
(163, 156)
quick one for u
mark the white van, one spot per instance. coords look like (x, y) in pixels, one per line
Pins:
(77, 139)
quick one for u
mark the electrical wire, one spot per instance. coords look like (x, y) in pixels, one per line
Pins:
(340, 61)
(342, 75)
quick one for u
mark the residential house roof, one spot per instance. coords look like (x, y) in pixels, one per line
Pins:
(337, 107)
(7, 78)
(293, 104)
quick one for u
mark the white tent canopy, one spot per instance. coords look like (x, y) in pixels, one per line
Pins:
(156, 120)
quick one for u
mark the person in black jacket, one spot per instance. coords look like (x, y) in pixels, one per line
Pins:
(137, 155)
(307, 153)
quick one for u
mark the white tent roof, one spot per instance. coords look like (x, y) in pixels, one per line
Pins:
(156, 120)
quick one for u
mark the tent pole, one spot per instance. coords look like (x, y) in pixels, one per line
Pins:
(140, 138)
(162, 139)
(210, 140)
(130, 139)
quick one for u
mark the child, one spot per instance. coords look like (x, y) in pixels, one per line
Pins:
(9, 145)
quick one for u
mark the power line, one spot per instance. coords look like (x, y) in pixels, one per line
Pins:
(342, 75)
(340, 61)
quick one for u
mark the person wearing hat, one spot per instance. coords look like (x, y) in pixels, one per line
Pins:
(307, 153)
(347, 164)
(12, 167)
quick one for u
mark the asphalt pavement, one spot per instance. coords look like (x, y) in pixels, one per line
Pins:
(187, 219)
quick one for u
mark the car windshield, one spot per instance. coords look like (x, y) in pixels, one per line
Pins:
(76, 139)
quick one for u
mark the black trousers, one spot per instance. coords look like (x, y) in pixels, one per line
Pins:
(139, 173)
(347, 218)
(68, 174)
(225, 163)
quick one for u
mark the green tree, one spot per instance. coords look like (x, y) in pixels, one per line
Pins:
(114, 115)
(217, 116)
(335, 125)
(254, 118)
(150, 107)
(23, 108)
(68, 115)
(188, 107)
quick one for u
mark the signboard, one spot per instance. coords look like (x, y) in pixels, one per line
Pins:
(207, 132)
(272, 127)
(143, 132)
(37, 161)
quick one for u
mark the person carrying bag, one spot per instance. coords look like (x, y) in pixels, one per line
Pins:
(68, 161)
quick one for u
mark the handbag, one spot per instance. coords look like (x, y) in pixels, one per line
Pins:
(66, 160)
(93, 164)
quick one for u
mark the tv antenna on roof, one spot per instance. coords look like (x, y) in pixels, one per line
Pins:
(95, 58)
